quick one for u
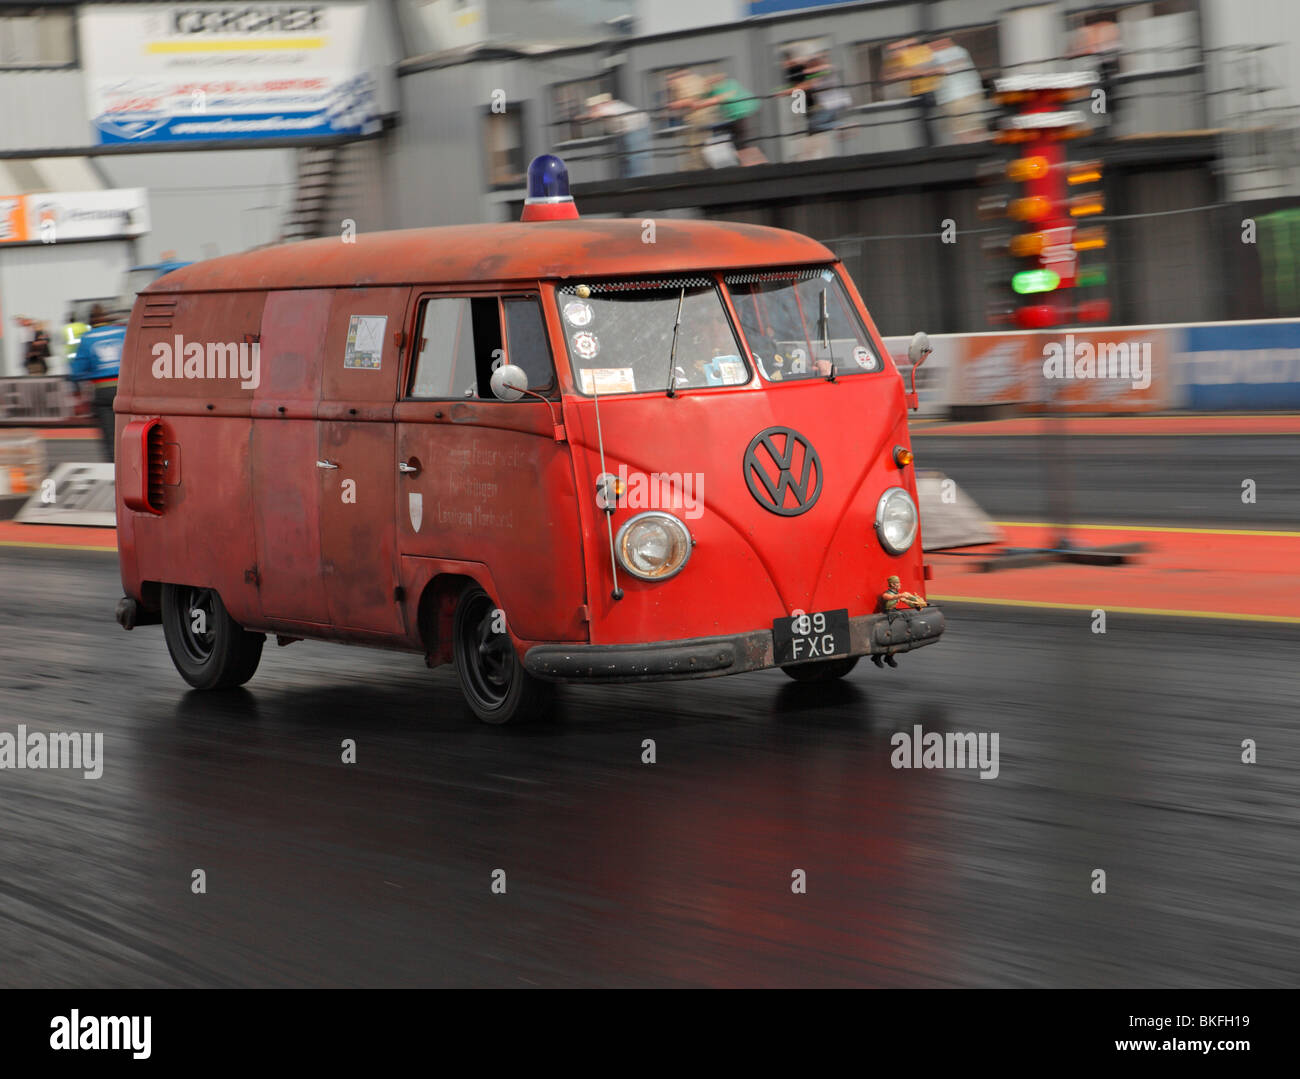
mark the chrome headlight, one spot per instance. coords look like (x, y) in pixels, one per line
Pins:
(653, 546)
(896, 520)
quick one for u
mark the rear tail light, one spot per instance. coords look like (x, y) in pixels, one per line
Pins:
(142, 466)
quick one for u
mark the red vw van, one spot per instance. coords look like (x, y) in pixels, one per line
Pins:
(545, 451)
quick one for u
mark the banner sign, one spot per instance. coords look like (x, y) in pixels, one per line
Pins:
(1111, 369)
(54, 217)
(1244, 365)
(169, 73)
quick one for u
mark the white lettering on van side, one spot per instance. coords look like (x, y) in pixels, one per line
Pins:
(217, 359)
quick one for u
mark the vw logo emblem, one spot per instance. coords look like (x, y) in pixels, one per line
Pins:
(783, 471)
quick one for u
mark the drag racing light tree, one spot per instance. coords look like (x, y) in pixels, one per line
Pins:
(1049, 201)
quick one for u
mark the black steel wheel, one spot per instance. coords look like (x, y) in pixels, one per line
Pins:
(495, 684)
(209, 648)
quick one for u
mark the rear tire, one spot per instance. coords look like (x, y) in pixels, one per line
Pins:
(211, 652)
(825, 671)
(493, 680)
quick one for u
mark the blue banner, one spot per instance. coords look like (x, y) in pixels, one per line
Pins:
(1248, 366)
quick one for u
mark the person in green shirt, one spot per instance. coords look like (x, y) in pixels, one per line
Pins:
(734, 105)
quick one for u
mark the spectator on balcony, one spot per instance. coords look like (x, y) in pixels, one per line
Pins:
(629, 126)
(911, 60)
(735, 105)
(811, 75)
(690, 107)
(959, 93)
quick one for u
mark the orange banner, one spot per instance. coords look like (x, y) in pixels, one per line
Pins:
(13, 219)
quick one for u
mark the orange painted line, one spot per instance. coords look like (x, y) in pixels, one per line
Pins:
(1194, 574)
(70, 537)
(54, 432)
(1117, 426)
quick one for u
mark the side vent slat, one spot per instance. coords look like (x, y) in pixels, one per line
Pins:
(158, 312)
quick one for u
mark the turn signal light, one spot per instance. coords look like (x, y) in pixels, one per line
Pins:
(902, 456)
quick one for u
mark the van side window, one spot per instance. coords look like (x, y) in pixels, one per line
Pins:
(459, 337)
(527, 345)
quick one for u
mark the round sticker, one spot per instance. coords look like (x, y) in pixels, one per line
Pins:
(577, 313)
(863, 358)
(586, 345)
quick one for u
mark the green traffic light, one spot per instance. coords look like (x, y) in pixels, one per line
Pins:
(1031, 281)
(1091, 275)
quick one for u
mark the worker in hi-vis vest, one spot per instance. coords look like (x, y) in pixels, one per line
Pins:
(72, 332)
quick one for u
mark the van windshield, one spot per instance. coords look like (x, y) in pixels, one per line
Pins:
(620, 335)
(801, 324)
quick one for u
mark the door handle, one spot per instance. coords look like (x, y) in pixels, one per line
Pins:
(326, 464)
(410, 470)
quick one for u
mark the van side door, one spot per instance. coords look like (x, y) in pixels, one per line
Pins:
(286, 489)
(357, 465)
(490, 481)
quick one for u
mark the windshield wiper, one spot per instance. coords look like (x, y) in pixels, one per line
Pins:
(824, 328)
(672, 354)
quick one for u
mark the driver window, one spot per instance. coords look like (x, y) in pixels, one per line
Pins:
(458, 340)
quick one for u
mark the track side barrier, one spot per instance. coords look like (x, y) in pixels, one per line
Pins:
(45, 400)
(1238, 366)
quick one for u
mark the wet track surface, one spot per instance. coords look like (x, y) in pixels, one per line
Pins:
(1120, 752)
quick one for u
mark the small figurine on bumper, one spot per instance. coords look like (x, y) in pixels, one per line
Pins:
(893, 598)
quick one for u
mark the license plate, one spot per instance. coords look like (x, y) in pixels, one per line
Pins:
(818, 635)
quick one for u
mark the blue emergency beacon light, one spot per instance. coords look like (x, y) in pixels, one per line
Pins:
(548, 191)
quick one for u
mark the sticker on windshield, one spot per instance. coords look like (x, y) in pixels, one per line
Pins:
(725, 371)
(577, 313)
(586, 345)
(608, 380)
(864, 359)
(365, 342)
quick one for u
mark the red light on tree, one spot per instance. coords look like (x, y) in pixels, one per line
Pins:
(1038, 316)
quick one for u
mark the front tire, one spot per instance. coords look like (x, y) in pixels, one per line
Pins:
(825, 671)
(210, 649)
(493, 680)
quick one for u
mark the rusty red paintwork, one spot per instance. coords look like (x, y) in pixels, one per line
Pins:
(503, 501)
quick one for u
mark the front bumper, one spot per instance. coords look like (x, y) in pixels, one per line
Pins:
(711, 657)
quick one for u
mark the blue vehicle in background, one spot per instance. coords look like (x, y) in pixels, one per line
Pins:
(99, 352)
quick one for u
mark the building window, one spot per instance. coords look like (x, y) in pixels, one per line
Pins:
(504, 139)
(1149, 36)
(569, 101)
(40, 39)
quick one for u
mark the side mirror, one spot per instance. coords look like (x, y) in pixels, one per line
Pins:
(917, 351)
(509, 383)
